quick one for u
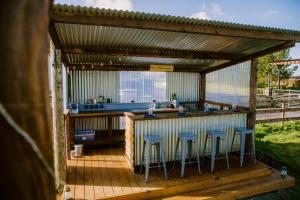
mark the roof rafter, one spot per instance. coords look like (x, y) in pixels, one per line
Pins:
(157, 53)
(276, 48)
(131, 67)
(57, 44)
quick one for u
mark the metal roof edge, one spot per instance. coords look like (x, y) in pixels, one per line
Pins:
(125, 14)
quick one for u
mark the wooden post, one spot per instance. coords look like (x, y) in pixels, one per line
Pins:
(251, 118)
(202, 90)
(283, 113)
(25, 96)
(68, 135)
(58, 120)
(69, 86)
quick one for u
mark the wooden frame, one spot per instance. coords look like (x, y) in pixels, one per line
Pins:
(157, 53)
(127, 67)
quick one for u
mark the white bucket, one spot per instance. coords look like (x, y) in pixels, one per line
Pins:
(78, 149)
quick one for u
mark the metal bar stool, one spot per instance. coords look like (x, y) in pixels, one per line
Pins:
(150, 140)
(216, 136)
(187, 139)
(243, 132)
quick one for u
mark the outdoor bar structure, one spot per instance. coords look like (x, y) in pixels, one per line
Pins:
(113, 64)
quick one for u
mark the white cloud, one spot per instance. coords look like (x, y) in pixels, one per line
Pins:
(216, 9)
(208, 10)
(271, 12)
(112, 4)
(200, 15)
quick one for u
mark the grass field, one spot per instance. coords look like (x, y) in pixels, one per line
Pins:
(283, 144)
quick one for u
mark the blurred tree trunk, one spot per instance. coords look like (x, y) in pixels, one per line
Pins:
(25, 96)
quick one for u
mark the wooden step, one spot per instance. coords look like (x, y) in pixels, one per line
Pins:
(202, 182)
(240, 190)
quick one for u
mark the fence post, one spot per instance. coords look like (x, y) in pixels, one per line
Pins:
(283, 113)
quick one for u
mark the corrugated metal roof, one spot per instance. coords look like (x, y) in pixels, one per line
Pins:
(87, 36)
(121, 38)
(164, 18)
(76, 35)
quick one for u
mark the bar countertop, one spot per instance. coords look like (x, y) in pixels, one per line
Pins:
(138, 116)
(120, 112)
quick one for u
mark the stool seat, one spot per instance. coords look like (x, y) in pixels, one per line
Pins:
(215, 135)
(187, 138)
(216, 132)
(158, 142)
(187, 135)
(152, 138)
(243, 131)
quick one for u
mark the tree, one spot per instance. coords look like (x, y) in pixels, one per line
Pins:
(268, 74)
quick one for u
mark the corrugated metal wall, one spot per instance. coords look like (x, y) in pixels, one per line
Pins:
(229, 85)
(142, 86)
(185, 85)
(168, 129)
(91, 84)
(99, 123)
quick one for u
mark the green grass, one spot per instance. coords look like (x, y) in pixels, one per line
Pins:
(283, 144)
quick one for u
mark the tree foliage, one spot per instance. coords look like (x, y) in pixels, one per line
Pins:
(268, 74)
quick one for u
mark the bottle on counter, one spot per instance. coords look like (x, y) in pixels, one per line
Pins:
(180, 109)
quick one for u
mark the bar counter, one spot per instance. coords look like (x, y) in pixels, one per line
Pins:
(169, 125)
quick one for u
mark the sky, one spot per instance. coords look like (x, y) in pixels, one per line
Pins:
(272, 13)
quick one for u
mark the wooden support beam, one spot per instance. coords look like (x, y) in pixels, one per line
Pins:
(56, 41)
(60, 165)
(128, 67)
(69, 85)
(252, 94)
(276, 110)
(202, 92)
(63, 16)
(273, 49)
(251, 116)
(277, 120)
(25, 97)
(157, 53)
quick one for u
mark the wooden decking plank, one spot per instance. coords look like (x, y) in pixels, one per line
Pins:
(136, 186)
(124, 170)
(117, 189)
(116, 159)
(71, 176)
(106, 179)
(98, 188)
(79, 188)
(107, 174)
(88, 178)
(239, 190)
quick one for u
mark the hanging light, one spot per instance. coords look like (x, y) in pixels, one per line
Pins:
(101, 64)
(110, 62)
(92, 66)
(83, 67)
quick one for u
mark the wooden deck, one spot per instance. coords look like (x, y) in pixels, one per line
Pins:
(105, 174)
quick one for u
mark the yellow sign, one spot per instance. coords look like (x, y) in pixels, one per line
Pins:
(162, 68)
